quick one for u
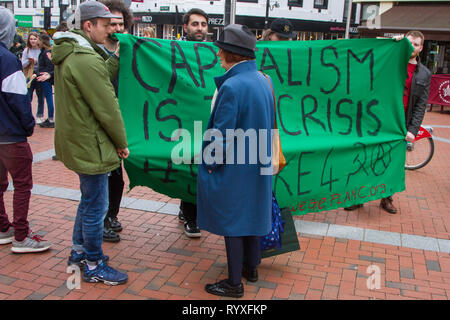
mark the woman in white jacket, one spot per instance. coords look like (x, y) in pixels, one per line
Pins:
(30, 56)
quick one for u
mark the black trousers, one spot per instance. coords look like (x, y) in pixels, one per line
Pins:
(116, 185)
(241, 251)
(189, 211)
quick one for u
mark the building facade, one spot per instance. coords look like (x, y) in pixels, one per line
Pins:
(388, 18)
(312, 19)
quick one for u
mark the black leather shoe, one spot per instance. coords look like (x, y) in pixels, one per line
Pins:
(224, 289)
(191, 230)
(115, 225)
(110, 236)
(354, 207)
(251, 274)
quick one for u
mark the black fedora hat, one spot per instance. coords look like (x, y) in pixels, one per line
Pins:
(283, 28)
(238, 39)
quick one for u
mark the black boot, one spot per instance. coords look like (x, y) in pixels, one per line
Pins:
(110, 236)
(115, 224)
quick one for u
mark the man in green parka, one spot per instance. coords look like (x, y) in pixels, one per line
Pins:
(90, 135)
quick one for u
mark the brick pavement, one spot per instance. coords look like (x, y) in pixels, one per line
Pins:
(164, 264)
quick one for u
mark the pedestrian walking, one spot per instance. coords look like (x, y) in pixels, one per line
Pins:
(90, 135)
(234, 200)
(16, 124)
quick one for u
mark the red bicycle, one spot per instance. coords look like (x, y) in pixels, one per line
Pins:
(421, 150)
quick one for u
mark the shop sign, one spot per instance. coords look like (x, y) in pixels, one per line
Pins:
(215, 21)
(391, 35)
(342, 29)
(147, 18)
(164, 8)
(24, 21)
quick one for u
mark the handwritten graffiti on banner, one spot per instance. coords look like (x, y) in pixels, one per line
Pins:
(340, 115)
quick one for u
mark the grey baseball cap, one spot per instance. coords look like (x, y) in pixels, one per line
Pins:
(94, 9)
(237, 38)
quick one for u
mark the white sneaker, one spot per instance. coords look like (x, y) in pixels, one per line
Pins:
(38, 120)
(7, 236)
(32, 243)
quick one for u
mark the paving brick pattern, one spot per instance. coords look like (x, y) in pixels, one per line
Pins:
(162, 263)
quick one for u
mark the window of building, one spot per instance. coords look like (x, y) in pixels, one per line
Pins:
(19, 3)
(295, 3)
(8, 5)
(321, 4)
(34, 3)
(74, 2)
(51, 4)
(27, 4)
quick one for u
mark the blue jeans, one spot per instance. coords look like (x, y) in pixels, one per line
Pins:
(88, 227)
(36, 85)
(48, 94)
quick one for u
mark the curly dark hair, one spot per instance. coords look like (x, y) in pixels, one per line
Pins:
(117, 5)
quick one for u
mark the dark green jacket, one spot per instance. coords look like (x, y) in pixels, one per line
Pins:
(88, 124)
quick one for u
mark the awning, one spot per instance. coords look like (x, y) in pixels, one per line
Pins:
(428, 18)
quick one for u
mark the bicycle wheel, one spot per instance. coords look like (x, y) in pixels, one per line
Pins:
(419, 153)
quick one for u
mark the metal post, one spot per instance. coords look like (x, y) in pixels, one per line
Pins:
(233, 12)
(266, 20)
(349, 16)
(230, 12)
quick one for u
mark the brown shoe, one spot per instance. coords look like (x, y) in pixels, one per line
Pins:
(386, 204)
(354, 207)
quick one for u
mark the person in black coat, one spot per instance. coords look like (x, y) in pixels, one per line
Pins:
(45, 71)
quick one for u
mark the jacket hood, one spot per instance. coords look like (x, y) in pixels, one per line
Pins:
(7, 27)
(73, 41)
(67, 42)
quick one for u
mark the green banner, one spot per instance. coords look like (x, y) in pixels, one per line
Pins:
(340, 116)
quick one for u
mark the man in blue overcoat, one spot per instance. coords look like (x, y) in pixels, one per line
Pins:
(234, 195)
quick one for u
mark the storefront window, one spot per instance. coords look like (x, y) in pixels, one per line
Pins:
(436, 56)
(321, 4)
(295, 3)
